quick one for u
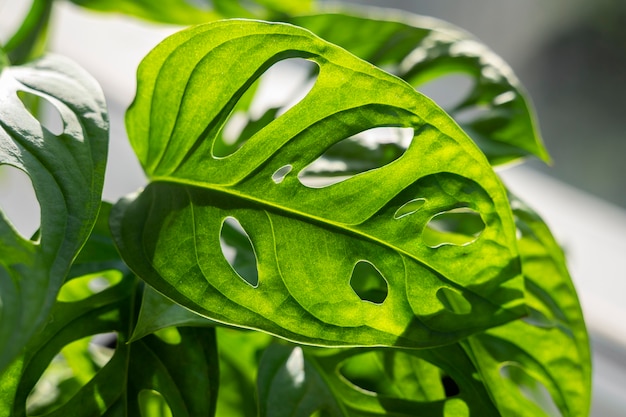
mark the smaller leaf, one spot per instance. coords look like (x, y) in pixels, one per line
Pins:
(159, 312)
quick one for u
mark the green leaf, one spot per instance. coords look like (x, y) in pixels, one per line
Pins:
(496, 113)
(67, 172)
(542, 363)
(307, 241)
(30, 39)
(185, 12)
(240, 353)
(176, 366)
(293, 381)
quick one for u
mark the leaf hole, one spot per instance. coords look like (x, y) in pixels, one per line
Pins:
(450, 387)
(44, 111)
(282, 86)
(238, 250)
(409, 208)
(76, 364)
(470, 114)
(279, 175)
(459, 226)
(18, 201)
(153, 404)
(454, 301)
(448, 91)
(530, 388)
(365, 151)
(368, 283)
(83, 287)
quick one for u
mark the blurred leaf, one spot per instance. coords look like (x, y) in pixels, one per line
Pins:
(240, 353)
(30, 39)
(188, 12)
(306, 241)
(67, 172)
(496, 113)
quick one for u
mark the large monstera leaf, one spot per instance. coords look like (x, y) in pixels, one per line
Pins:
(495, 112)
(67, 172)
(307, 241)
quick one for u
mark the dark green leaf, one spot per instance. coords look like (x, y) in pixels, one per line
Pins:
(496, 112)
(361, 382)
(185, 12)
(175, 366)
(307, 240)
(67, 172)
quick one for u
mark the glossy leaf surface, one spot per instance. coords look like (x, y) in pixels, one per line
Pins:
(496, 112)
(184, 12)
(67, 172)
(307, 241)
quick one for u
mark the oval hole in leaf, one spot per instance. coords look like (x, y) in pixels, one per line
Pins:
(368, 283)
(153, 404)
(18, 201)
(454, 301)
(448, 91)
(409, 207)
(450, 387)
(470, 114)
(44, 111)
(68, 372)
(80, 288)
(365, 151)
(279, 175)
(530, 388)
(238, 250)
(280, 88)
(459, 226)
(169, 335)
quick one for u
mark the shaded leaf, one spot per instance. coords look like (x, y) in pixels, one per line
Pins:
(185, 12)
(542, 363)
(179, 364)
(496, 112)
(402, 383)
(307, 240)
(67, 173)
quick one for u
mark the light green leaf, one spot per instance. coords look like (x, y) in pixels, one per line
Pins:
(67, 173)
(307, 241)
(185, 12)
(362, 382)
(496, 112)
(542, 363)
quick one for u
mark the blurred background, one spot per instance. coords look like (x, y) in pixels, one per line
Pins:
(569, 54)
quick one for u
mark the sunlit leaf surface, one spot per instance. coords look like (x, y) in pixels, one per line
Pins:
(307, 240)
(494, 110)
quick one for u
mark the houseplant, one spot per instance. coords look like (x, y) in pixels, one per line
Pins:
(291, 265)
